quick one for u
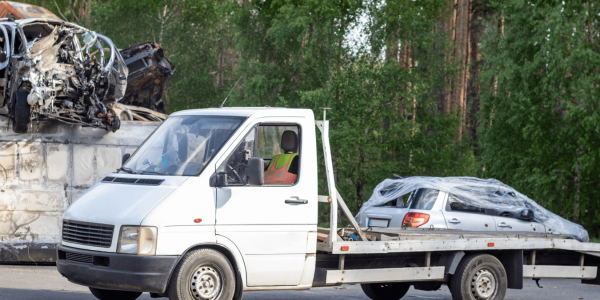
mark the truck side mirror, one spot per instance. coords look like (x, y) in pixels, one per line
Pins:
(126, 156)
(255, 171)
(526, 215)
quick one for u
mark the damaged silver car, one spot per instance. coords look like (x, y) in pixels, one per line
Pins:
(55, 70)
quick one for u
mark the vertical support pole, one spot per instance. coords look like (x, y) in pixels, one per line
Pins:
(342, 261)
(533, 254)
(330, 182)
(582, 260)
(428, 259)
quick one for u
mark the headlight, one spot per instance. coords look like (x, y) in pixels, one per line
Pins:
(137, 240)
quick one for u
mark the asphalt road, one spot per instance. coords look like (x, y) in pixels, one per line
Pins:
(30, 282)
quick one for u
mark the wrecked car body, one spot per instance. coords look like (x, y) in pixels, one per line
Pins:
(137, 113)
(149, 72)
(460, 203)
(55, 70)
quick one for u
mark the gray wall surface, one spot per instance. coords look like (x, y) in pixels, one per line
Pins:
(44, 171)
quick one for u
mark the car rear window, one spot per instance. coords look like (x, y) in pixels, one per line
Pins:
(423, 199)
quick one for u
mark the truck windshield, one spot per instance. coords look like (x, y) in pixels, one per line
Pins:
(182, 145)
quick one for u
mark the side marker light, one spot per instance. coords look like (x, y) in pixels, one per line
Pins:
(345, 248)
(197, 220)
(491, 244)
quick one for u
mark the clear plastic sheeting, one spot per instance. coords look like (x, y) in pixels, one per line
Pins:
(488, 196)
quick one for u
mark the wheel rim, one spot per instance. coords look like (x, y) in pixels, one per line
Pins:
(483, 284)
(206, 283)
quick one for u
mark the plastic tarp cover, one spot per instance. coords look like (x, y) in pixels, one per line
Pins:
(489, 196)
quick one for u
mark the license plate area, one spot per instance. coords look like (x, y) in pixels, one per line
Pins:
(378, 223)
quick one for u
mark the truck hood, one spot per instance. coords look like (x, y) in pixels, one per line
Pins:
(121, 203)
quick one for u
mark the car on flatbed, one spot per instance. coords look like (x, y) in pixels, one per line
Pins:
(430, 208)
(221, 201)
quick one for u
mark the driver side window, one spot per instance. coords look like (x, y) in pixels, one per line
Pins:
(235, 165)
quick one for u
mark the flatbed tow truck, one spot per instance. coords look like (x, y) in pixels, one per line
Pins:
(207, 225)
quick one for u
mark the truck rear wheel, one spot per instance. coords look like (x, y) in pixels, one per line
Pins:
(114, 295)
(479, 277)
(203, 274)
(385, 291)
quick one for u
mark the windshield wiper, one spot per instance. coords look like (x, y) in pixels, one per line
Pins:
(128, 170)
(152, 172)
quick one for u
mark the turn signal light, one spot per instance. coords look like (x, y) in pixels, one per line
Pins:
(415, 219)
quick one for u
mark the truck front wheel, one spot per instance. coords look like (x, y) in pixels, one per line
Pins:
(479, 277)
(114, 295)
(385, 291)
(203, 274)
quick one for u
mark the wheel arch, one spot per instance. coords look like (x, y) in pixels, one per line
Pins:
(238, 267)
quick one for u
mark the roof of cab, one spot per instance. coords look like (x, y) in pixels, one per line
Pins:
(244, 111)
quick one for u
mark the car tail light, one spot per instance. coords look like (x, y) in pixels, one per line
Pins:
(415, 219)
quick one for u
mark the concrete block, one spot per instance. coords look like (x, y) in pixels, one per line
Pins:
(8, 161)
(108, 160)
(41, 227)
(42, 201)
(31, 161)
(58, 161)
(7, 200)
(83, 165)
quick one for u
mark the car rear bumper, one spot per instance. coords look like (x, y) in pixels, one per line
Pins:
(115, 271)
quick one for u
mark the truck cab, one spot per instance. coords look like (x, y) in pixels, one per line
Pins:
(238, 183)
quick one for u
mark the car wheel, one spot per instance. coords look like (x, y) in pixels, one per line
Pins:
(385, 291)
(114, 295)
(203, 274)
(22, 112)
(479, 277)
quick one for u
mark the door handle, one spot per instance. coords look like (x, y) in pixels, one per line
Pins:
(296, 200)
(454, 221)
(504, 225)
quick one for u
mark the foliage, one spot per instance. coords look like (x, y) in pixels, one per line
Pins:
(540, 126)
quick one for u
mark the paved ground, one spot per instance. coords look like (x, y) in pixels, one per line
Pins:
(30, 282)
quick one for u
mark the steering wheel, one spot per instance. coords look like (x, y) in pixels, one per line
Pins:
(235, 173)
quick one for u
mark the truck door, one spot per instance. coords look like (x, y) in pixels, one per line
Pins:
(513, 224)
(270, 224)
(462, 215)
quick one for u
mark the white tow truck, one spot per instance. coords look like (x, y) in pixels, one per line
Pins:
(221, 201)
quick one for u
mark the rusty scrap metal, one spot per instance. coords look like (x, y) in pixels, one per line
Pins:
(149, 72)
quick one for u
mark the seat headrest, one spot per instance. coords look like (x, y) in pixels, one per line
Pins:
(289, 141)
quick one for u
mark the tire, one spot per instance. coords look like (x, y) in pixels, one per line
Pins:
(207, 267)
(114, 295)
(22, 112)
(479, 277)
(385, 291)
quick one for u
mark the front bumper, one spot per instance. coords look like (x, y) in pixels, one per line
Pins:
(113, 271)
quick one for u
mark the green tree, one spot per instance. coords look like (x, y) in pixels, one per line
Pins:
(539, 124)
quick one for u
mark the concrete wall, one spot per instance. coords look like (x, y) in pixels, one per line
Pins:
(44, 171)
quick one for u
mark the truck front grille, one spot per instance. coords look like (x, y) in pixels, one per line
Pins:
(82, 258)
(89, 234)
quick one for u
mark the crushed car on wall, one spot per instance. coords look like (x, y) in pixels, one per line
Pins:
(149, 72)
(55, 70)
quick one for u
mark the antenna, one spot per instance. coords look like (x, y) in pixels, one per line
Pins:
(221, 106)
